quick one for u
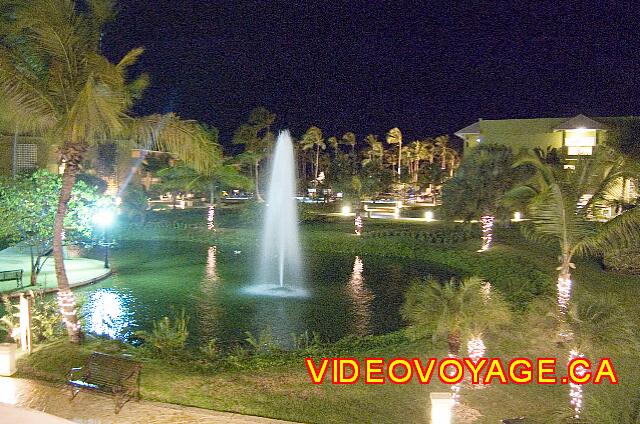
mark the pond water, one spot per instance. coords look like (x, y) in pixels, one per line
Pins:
(344, 295)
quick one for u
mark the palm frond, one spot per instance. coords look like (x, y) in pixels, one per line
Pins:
(620, 232)
(24, 98)
(186, 139)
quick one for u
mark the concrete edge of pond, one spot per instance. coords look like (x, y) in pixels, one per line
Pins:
(15, 294)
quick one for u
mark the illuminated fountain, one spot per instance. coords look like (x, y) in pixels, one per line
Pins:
(280, 267)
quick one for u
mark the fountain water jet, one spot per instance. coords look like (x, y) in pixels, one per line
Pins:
(280, 265)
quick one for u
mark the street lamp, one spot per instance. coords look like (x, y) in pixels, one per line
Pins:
(104, 218)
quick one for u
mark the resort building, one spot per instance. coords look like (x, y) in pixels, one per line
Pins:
(574, 136)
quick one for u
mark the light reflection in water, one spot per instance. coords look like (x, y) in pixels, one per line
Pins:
(361, 297)
(107, 313)
(212, 264)
(207, 308)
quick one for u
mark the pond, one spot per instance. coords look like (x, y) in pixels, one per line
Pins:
(345, 295)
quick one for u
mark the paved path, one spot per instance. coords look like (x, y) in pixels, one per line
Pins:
(79, 270)
(91, 408)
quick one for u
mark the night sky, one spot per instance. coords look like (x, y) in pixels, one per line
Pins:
(367, 66)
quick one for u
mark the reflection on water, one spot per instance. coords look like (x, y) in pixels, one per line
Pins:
(212, 264)
(207, 308)
(157, 279)
(361, 298)
(107, 313)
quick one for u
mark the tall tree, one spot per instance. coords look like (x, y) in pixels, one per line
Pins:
(313, 139)
(28, 207)
(441, 142)
(349, 139)
(258, 141)
(394, 136)
(375, 151)
(55, 82)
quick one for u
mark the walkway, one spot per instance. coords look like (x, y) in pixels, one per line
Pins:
(97, 409)
(79, 270)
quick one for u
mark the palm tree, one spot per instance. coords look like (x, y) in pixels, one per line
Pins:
(375, 152)
(599, 325)
(455, 312)
(394, 136)
(562, 204)
(349, 139)
(55, 82)
(313, 139)
(258, 141)
(441, 143)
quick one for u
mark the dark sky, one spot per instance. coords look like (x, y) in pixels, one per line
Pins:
(366, 66)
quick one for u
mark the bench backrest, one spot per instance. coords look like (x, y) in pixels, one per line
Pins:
(109, 371)
(11, 274)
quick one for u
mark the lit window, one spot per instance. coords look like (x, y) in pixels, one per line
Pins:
(579, 150)
(579, 140)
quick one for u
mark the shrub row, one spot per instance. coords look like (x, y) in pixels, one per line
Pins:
(627, 261)
(448, 235)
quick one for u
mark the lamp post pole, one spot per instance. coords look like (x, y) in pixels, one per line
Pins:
(106, 248)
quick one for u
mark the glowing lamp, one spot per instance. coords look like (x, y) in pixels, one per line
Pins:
(103, 217)
(7, 359)
(441, 406)
(346, 210)
(517, 216)
(428, 216)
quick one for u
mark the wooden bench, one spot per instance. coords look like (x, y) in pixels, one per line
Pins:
(108, 374)
(14, 274)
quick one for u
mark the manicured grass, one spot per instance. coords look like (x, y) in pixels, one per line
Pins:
(277, 385)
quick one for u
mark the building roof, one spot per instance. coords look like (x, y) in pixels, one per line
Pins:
(470, 129)
(580, 122)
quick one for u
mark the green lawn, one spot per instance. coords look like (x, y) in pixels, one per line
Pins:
(278, 386)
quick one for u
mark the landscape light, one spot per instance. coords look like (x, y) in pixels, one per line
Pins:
(346, 210)
(103, 217)
(7, 359)
(441, 406)
(428, 216)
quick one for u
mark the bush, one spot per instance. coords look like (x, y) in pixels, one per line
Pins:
(46, 320)
(168, 337)
(439, 235)
(627, 261)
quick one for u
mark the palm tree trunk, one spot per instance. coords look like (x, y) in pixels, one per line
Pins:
(564, 283)
(317, 161)
(66, 299)
(399, 157)
(257, 174)
(34, 267)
